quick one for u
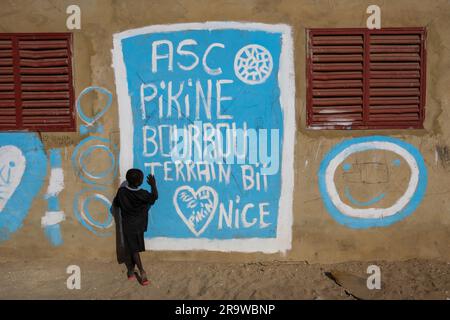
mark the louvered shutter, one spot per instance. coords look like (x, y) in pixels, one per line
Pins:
(7, 86)
(365, 79)
(336, 78)
(43, 82)
(396, 76)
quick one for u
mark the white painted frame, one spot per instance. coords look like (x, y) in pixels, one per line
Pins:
(286, 81)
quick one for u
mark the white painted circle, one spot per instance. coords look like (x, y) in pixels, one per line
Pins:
(370, 213)
(253, 64)
(88, 219)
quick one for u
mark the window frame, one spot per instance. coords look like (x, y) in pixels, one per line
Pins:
(366, 77)
(14, 36)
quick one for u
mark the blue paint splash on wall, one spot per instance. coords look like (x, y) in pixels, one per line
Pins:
(53, 232)
(18, 205)
(55, 158)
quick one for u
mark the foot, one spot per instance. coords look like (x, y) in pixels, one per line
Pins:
(130, 275)
(144, 279)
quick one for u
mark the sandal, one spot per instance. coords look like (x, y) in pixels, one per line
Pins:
(144, 280)
(131, 275)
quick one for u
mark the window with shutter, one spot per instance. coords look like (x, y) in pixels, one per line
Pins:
(36, 91)
(366, 79)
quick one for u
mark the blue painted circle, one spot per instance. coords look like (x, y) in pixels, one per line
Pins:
(96, 223)
(361, 223)
(97, 230)
(88, 152)
(76, 163)
(82, 115)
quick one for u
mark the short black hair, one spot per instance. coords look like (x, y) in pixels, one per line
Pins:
(135, 177)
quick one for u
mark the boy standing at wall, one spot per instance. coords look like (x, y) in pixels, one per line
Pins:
(134, 204)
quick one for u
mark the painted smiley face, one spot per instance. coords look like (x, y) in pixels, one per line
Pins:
(370, 180)
(361, 214)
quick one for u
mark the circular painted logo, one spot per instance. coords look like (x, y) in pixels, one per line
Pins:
(253, 64)
(359, 214)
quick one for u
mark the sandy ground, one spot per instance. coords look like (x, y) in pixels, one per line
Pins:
(46, 279)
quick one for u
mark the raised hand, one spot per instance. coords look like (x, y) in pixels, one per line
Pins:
(151, 180)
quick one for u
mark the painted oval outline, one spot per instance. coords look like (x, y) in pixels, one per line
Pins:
(408, 202)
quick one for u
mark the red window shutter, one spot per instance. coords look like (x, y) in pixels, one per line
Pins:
(365, 79)
(396, 76)
(336, 63)
(7, 85)
(43, 82)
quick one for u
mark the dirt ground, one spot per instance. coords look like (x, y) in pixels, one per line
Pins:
(46, 279)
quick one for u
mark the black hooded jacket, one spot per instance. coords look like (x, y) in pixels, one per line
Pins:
(134, 205)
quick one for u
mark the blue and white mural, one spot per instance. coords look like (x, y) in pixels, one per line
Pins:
(23, 167)
(209, 109)
(345, 208)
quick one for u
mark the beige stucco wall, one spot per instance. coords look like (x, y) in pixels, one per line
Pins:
(316, 236)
